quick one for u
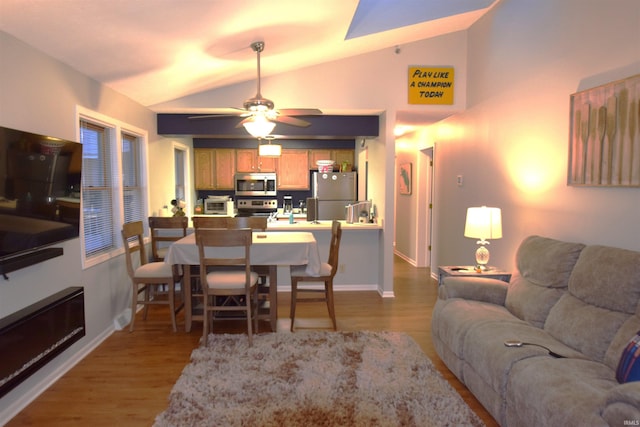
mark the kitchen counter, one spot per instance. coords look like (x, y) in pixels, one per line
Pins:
(304, 225)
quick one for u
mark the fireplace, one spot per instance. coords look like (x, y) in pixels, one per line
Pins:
(33, 336)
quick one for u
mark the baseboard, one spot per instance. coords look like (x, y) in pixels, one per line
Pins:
(38, 388)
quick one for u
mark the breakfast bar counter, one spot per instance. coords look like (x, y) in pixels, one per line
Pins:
(360, 253)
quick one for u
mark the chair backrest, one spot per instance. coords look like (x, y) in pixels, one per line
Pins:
(334, 247)
(209, 222)
(224, 239)
(133, 241)
(159, 223)
(256, 223)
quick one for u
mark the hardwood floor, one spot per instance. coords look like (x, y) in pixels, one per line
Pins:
(126, 381)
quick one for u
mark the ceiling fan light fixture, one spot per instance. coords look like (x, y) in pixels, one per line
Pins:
(258, 126)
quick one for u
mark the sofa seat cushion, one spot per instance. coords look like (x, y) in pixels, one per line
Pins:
(456, 317)
(544, 391)
(484, 349)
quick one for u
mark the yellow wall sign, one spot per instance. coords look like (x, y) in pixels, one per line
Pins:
(430, 85)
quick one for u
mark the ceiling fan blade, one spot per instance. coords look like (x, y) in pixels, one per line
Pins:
(299, 111)
(292, 121)
(224, 112)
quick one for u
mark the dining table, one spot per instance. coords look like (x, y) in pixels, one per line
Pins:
(268, 248)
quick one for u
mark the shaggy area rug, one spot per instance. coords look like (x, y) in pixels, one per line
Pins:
(313, 379)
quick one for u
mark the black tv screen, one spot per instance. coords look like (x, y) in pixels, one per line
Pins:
(39, 191)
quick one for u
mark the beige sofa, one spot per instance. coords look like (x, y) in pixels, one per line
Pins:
(580, 302)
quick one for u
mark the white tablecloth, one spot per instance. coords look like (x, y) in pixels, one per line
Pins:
(268, 248)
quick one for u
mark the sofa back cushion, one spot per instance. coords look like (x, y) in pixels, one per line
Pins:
(603, 294)
(544, 267)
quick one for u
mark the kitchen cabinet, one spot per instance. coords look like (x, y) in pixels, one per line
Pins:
(248, 160)
(318, 154)
(293, 169)
(225, 168)
(203, 167)
(338, 156)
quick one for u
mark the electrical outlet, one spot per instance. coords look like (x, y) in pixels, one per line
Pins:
(460, 180)
(341, 268)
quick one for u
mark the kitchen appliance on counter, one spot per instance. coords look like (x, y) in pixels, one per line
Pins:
(287, 205)
(358, 212)
(333, 191)
(257, 207)
(255, 184)
(218, 205)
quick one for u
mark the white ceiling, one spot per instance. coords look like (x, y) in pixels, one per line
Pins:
(157, 50)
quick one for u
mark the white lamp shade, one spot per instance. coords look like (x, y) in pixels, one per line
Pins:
(269, 150)
(483, 223)
(259, 126)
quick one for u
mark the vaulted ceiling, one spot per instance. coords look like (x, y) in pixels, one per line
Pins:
(157, 50)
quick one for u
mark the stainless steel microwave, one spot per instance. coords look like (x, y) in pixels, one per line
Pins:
(255, 184)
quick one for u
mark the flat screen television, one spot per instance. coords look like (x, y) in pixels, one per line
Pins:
(39, 191)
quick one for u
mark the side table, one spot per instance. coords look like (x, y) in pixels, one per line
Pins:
(470, 271)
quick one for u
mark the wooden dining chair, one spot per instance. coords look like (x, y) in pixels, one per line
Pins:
(256, 223)
(209, 222)
(164, 230)
(146, 275)
(327, 273)
(238, 284)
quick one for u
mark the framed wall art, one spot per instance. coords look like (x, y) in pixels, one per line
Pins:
(604, 141)
(404, 178)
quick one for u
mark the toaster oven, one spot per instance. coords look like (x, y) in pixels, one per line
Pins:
(218, 205)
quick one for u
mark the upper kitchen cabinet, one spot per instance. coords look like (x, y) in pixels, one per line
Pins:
(225, 168)
(214, 168)
(204, 159)
(293, 169)
(338, 156)
(248, 160)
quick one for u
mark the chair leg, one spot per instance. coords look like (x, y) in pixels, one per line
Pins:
(329, 296)
(248, 298)
(147, 298)
(205, 320)
(134, 305)
(294, 296)
(171, 295)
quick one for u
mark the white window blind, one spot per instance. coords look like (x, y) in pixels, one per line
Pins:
(133, 200)
(97, 191)
(179, 157)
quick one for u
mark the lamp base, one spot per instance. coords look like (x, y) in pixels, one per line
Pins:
(482, 258)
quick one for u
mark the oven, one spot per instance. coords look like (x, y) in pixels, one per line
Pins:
(257, 207)
(255, 184)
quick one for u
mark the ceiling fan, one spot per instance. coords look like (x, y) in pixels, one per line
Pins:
(261, 116)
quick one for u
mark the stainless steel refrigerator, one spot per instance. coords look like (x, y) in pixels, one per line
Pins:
(334, 191)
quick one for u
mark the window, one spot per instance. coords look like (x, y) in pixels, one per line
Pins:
(131, 179)
(179, 156)
(113, 183)
(96, 190)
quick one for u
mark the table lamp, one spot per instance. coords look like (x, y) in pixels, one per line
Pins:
(483, 223)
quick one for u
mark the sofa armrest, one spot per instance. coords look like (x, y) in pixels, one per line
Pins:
(622, 405)
(493, 291)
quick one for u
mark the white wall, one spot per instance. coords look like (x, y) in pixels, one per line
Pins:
(39, 94)
(511, 145)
